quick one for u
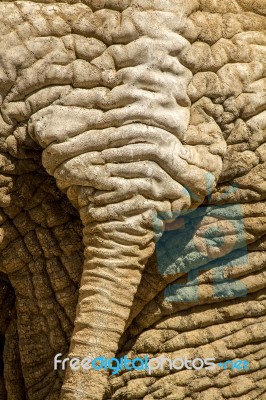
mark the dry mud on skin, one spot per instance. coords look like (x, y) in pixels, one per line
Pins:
(114, 113)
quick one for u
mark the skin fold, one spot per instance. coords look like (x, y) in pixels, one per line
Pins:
(116, 118)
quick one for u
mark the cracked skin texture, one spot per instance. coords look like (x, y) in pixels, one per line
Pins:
(112, 111)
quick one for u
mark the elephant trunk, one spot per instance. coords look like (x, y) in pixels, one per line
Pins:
(115, 255)
(116, 148)
(112, 273)
(118, 185)
(119, 179)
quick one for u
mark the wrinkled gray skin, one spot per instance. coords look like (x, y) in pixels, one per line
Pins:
(115, 113)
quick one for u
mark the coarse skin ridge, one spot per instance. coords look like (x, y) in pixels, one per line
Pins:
(129, 106)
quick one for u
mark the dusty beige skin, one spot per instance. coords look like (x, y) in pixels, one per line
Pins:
(126, 107)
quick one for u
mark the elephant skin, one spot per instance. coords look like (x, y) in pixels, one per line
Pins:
(117, 117)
